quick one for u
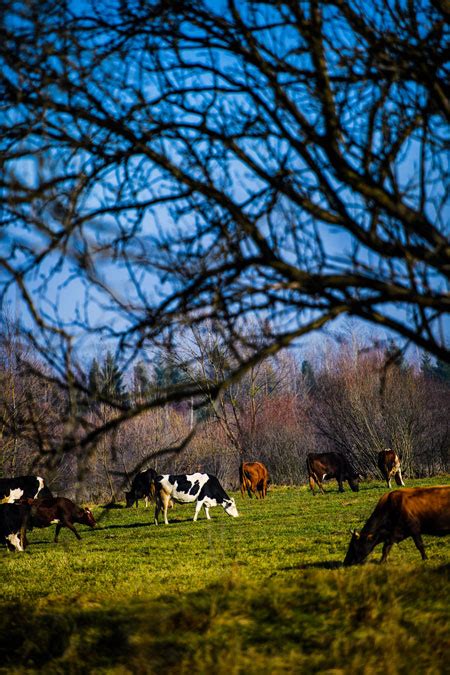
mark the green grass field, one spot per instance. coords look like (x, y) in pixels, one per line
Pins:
(263, 593)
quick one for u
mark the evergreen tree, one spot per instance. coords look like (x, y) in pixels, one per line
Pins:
(111, 383)
(94, 383)
(427, 366)
(167, 373)
(141, 382)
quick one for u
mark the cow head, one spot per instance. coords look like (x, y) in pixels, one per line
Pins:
(15, 542)
(130, 499)
(230, 507)
(88, 518)
(361, 544)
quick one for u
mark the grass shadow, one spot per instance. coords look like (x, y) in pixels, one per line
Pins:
(125, 527)
(323, 564)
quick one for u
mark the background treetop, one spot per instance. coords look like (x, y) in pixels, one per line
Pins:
(182, 163)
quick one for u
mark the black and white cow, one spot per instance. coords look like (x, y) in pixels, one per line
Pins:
(22, 487)
(202, 488)
(13, 525)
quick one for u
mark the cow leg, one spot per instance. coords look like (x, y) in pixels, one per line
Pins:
(198, 506)
(318, 483)
(208, 517)
(57, 531)
(341, 484)
(386, 548)
(157, 510)
(419, 544)
(398, 478)
(59, 526)
(72, 528)
(23, 536)
(166, 502)
(389, 482)
(311, 484)
(146, 501)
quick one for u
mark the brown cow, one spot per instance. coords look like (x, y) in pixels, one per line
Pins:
(327, 465)
(59, 510)
(389, 465)
(253, 477)
(401, 514)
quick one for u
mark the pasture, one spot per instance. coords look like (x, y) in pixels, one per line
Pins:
(263, 593)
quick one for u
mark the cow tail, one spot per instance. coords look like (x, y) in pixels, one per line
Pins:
(241, 477)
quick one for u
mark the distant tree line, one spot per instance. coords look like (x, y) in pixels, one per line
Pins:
(346, 396)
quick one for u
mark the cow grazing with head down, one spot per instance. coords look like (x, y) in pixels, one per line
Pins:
(202, 488)
(253, 477)
(389, 465)
(401, 514)
(13, 525)
(142, 487)
(22, 487)
(60, 511)
(328, 465)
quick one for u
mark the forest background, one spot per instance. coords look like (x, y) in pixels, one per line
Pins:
(347, 395)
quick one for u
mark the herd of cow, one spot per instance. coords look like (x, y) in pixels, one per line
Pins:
(26, 502)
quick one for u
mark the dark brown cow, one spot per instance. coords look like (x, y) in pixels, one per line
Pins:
(389, 465)
(401, 514)
(60, 511)
(328, 465)
(253, 477)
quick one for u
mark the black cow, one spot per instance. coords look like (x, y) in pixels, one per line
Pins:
(62, 511)
(142, 487)
(202, 488)
(329, 465)
(13, 525)
(401, 514)
(22, 487)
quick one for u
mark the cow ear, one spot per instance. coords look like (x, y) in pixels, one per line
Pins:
(370, 536)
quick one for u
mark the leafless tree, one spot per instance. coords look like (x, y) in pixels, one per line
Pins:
(196, 161)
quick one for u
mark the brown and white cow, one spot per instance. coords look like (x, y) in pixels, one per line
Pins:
(253, 477)
(389, 465)
(401, 514)
(328, 465)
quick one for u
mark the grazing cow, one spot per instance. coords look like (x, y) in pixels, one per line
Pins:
(22, 487)
(329, 465)
(62, 511)
(389, 465)
(142, 487)
(13, 525)
(202, 488)
(253, 477)
(401, 514)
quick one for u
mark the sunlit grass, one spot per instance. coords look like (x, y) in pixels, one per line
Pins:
(262, 593)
